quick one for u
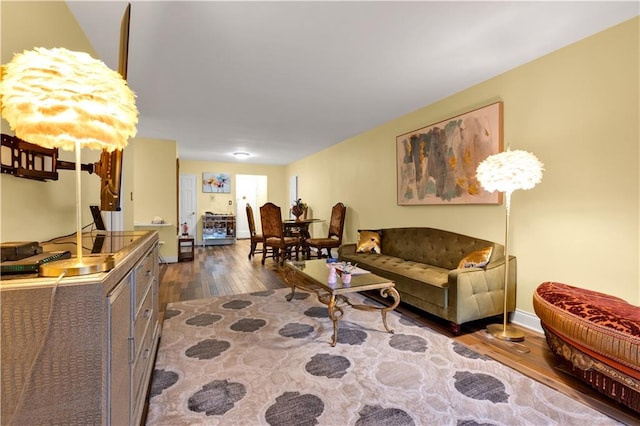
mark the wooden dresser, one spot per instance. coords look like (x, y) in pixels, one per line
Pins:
(82, 351)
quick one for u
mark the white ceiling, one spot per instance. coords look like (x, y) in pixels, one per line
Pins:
(283, 80)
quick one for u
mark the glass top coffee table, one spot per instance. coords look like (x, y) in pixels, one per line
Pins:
(334, 295)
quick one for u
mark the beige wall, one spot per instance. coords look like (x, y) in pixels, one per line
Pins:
(32, 210)
(577, 109)
(277, 185)
(155, 189)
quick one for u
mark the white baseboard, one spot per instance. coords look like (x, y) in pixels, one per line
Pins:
(528, 320)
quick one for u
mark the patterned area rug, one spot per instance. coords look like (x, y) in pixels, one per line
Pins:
(256, 359)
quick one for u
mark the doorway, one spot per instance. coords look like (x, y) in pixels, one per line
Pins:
(188, 204)
(250, 189)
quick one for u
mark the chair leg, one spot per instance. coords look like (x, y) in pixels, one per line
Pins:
(286, 254)
(253, 249)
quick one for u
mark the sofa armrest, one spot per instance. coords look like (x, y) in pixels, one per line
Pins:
(479, 292)
(346, 249)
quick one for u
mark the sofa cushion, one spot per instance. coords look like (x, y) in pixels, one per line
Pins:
(369, 242)
(395, 268)
(476, 259)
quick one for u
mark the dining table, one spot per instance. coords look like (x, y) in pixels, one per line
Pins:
(299, 227)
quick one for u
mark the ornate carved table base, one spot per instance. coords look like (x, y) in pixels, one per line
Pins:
(334, 295)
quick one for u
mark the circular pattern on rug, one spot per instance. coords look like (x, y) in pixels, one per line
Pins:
(351, 337)
(248, 325)
(203, 320)
(466, 352)
(207, 349)
(317, 312)
(300, 296)
(162, 379)
(170, 313)
(237, 304)
(217, 397)
(409, 343)
(408, 322)
(375, 415)
(480, 386)
(292, 408)
(327, 365)
(264, 293)
(296, 330)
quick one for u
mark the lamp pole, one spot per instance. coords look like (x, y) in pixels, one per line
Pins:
(504, 331)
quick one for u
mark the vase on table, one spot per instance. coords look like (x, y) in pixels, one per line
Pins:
(299, 209)
(298, 212)
(346, 278)
(333, 276)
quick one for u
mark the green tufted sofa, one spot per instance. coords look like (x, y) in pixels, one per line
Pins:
(423, 263)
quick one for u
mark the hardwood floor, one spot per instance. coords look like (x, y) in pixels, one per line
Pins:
(226, 270)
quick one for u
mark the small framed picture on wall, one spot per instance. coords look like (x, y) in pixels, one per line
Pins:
(216, 182)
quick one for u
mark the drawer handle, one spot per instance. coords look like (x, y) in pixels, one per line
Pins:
(148, 272)
(147, 313)
(146, 353)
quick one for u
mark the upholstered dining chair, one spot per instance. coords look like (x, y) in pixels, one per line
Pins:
(334, 238)
(255, 237)
(275, 244)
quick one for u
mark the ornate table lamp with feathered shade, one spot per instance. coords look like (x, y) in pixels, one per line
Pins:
(506, 172)
(57, 98)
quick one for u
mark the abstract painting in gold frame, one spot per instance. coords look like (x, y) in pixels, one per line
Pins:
(437, 163)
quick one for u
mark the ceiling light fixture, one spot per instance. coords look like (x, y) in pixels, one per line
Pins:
(241, 155)
(57, 98)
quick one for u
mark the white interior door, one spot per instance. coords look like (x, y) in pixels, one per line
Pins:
(188, 203)
(293, 193)
(249, 189)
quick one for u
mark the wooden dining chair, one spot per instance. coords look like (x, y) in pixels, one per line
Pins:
(275, 244)
(255, 237)
(334, 238)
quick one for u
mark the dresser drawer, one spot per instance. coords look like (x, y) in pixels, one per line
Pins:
(142, 320)
(142, 362)
(143, 277)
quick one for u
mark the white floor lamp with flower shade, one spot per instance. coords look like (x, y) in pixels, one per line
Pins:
(57, 98)
(506, 172)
